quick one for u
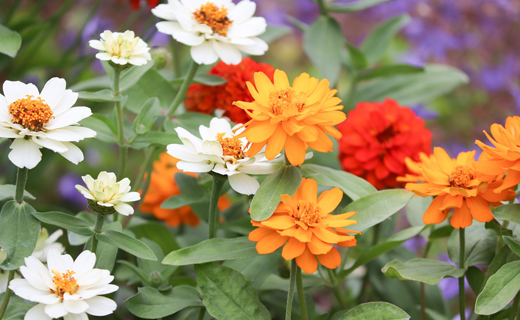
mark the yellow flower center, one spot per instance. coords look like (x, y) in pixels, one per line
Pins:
(30, 113)
(286, 102)
(461, 176)
(215, 18)
(65, 283)
(231, 147)
(308, 212)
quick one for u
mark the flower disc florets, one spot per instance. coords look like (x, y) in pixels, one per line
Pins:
(30, 113)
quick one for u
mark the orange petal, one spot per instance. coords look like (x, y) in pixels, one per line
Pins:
(263, 84)
(433, 214)
(292, 249)
(444, 160)
(307, 261)
(325, 235)
(451, 202)
(292, 126)
(310, 190)
(259, 233)
(329, 200)
(349, 243)
(480, 209)
(323, 143)
(461, 217)
(279, 222)
(308, 134)
(512, 179)
(301, 83)
(295, 150)
(255, 148)
(275, 143)
(281, 82)
(270, 243)
(303, 235)
(318, 247)
(331, 260)
(259, 131)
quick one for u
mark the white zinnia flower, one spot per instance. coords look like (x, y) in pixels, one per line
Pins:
(65, 288)
(121, 48)
(46, 243)
(106, 192)
(214, 29)
(221, 152)
(47, 119)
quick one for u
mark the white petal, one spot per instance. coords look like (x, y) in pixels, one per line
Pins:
(91, 278)
(33, 278)
(24, 153)
(189, 38)
(67, 101)
(103, 56)
(227, 52)
(34, 263)
(101, 306)
(205, 166)
(56, 262)
(8, 133)
(212, 147)
(84, 262)
(258, 49)
(205, 133)
(73, 154)
(71, 133)
(182, 152)
(218, 125)
(56, 310)
(124, 209)
(69, 117)
(137, 61)
(51, 144)
(75, 306)
(14, 90)
(131, 196)
(250, 28)
(53, 92)
(72, 316)
(204, 53)
(24, 289)
(182, 14)
(242, 11)
(110, 288)
(244, 184)
(164, 11)
(37, 313)
(4, 111)
(96, 44)
(186, 135)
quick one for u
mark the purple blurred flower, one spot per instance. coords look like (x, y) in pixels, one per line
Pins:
(450, 286)
(275, 12)
(415, 244)
(426, 114)
(467, 312)
(431, 41)
(500, 76)
(95, 27)
(67, 190)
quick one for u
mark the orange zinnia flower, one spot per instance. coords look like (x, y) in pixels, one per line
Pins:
(416, 173)
(163, 186)
(207, 99)
(291, 118)
(505, 157)
(303, 224)
(456, 184)
(377, 137)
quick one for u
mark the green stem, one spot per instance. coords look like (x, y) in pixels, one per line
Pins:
(201, 313)
(8, 17)
(461, 279)
(176, 48)
(290, 292)
(335, 288)
(21, 180)
(98, 228)
(352, 92)
(120, 125)
(323, 8)
(423, 288)
(301, 294)
(144, 168)
(182, 90)
(7, 296)
(514, 309)
(344, 260)
(218, 183)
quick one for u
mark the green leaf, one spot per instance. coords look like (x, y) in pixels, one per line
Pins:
(18, 233)
(273, 33)
(213, 250)
(323, 42)
(475, 278)
(10, 41)
(356, 6)
(510, 212)
(104, 95)
(423, 270)
(130, 77)
(203, 78)
(182, 200)
(190, 121)
(7, 191)
(275, 282)
(480, 245)
(150, 303)
(105, 128)
(255, 269)
(143, 122)
(499, 290)
(285, 180)
(353, 186)
(158, 233)
(377, 207)
(375, 310)
(151, 84)
(227, 294)
(155, 138)
(140, 273)
(513, 245)
(358, 60)
(409, 89)
(65, 221)
(442, 232)
(389, 71)
(378, 40)
(106, 253)
(127, 243)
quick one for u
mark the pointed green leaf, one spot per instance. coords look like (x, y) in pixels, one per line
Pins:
(126, 243)
(10, 41)
(389, 71)
(475, 278)
(7, 191)
(106, 253)
(158, 233)
(510, 212)
(375, 310)
(500, 289)
(423, 270)
(480, 245)
(104, 95)
(255, 269)
(144, 121)
(513, 245)
(65, 221)
(356, 6)
(130, 77)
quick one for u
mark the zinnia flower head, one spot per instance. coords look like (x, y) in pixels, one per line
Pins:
(121, 48)
(136, 4)
(303, 225)
(291, 118)
(214, 29)
(65, 288)
(47, 119)
(455, 183)
(221, 151)
(163, 186)
(378, 137)
(207, 99)
(107, 195)
(505, 156)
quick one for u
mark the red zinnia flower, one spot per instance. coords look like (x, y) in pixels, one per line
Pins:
(136, 3)
(378, 137)
(205, 99)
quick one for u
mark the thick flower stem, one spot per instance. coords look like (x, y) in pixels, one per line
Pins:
(120, 125)
(323, 8)
(461, 279)
(182, 90)
(21, 179)
(7, 295)
(218, 183)
(335, 288)
(290, 292)
(514, 308)
(301, 294)
(98, 228)
(423, 289)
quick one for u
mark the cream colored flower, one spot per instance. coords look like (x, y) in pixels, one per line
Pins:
(106, 192)
(47, 242)
(122, 48)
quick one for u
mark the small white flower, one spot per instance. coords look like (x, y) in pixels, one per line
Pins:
(105, 191)
(47, 119)
(65, 288)
(121, 48)
(221, 152)
(46, 243)
(214, 29)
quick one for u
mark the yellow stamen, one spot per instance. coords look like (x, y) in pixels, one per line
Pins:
(65, 283)
(210, 15)
(286, 102)
(461, 176)
(231, 147)
(308, 212)
(30, 113)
